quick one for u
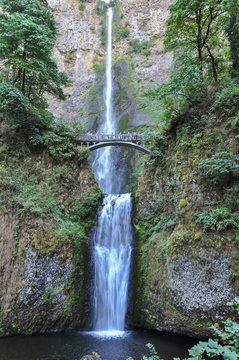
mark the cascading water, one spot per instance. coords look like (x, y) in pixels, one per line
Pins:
(103, 163)
(109, 124)
(112, 253)
(112, 237)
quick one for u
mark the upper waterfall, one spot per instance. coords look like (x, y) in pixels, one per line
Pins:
(109, 124)
(102, 162)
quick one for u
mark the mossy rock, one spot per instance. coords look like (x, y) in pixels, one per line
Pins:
(177, 241)
(183, 203)
(123, 123)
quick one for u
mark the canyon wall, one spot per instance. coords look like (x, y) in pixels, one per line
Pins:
(187, 258)
(80, 52)
(47, 209)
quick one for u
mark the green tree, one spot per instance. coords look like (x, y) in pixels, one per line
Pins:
(197, 33)
(27, 37)
(28, 33)
(196, 27)
(232, 30)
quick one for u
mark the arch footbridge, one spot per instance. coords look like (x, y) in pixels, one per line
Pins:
(94, 142)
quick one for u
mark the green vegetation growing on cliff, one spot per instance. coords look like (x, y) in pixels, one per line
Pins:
(49, 196)
(187, 208)
(34, 183)
(141, 46)
(195, 31)
(52, 200)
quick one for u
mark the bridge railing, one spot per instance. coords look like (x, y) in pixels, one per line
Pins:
(106, 137)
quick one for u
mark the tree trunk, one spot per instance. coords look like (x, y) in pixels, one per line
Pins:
(213, 63)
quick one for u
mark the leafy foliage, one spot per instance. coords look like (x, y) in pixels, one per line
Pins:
(81, 6)
(183, 90)
(34, 187)
(124, 32)
(227, 103)
(219, 165)
(27, 38)
(157, 143)
(12, 99)
(191, 28)
(227, 350)
(232, 30)
(28, 33)
(50, 294)
(101, 7)
(218, 219)
(103, 35)
(60, 142)
(195, 31)
(141, 46)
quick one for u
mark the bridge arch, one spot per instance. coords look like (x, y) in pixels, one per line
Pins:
(119, 143)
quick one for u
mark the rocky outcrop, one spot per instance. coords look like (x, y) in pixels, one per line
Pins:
(186, 271)
(79, 52)
(94, 356)
(44, 222)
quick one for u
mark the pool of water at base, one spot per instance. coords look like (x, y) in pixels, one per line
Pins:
(72, 346)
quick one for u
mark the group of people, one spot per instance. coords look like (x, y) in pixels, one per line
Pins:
(111, 136)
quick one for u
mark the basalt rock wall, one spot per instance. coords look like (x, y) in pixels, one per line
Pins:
(80, 51)
(47, 208)
(187, 258)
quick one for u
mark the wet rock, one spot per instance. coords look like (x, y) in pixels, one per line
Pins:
(94, 356)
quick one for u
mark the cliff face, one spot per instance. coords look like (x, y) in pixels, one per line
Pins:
(80, 50)
(188, 259)
(47, 208)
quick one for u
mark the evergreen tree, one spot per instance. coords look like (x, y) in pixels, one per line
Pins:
(28, 33)
(27, 37)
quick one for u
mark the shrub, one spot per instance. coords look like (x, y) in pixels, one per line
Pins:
(166, 222)
(12, 99)
(146, 52)
(218, 219)
(101, 7)
(226, 349)
(227, 100)
(124, 32)
(219, 165)
(102, 35)
(81, 6)
(141, 46)
(50, 294)
(157, 144)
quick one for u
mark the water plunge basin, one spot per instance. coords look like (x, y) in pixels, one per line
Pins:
(72, 346)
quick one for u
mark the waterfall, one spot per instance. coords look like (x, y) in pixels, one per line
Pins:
(112, 253)
(102, 163)
(109, 124)
(112, 235)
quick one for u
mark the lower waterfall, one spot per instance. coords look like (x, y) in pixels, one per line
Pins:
(112, 254)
